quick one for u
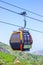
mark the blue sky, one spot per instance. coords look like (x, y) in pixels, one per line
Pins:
(6, 16)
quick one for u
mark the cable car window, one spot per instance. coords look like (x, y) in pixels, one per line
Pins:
(28, 37)
(25, 37)
(16, 36)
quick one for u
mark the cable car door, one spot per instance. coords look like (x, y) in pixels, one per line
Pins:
(26, 43)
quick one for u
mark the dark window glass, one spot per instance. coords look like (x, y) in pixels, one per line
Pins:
(26, 37)
(16, 36)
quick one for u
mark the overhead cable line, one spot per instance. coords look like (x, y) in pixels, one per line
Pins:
(20, 14)
(10, 24)
(8, 10)
(21, 8)
(20, 26)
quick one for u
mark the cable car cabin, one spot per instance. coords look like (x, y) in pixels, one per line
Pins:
(21, 40)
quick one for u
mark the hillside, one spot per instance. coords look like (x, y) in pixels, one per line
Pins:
(4, 48)
(18, 58)
(39, 52)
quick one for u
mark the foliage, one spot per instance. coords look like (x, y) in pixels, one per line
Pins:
(24, 58)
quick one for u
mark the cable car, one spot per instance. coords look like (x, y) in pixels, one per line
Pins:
(21, 40)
